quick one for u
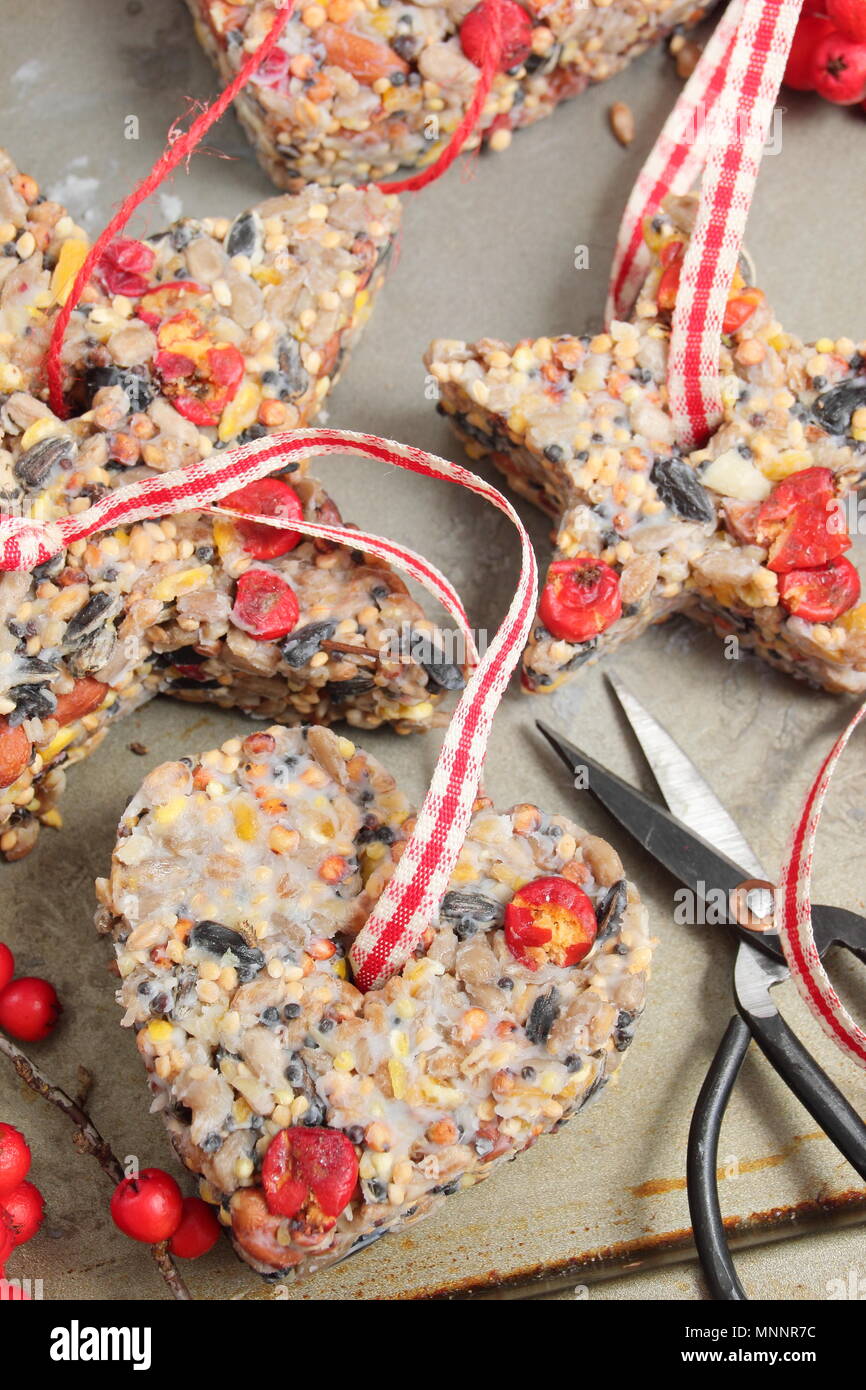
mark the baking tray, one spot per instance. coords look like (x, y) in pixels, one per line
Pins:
(488, 251)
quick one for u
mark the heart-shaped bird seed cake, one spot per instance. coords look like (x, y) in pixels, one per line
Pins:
(316, 1116)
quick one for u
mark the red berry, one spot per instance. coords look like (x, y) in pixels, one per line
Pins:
(800, 69)
(550, 921)
(29, 1008)
(268, 497)
(147, 1208)
(515, 34)
(820, 595)
(14, 1159)
(802, 523)
(24, 1208)
(123, 267)
(310, 1174)
(7, 965)
(849, 16)
(580, 599)
(840, 69)
(265, 606)
(7, 1238)
(198, 1231)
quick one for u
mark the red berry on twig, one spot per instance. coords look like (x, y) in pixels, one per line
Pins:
(840, 69)
(23, 1209)
(29, 1008)
(148, 1207)
(14, 1159)
(198, 1231)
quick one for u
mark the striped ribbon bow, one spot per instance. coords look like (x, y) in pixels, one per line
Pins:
(404, 910)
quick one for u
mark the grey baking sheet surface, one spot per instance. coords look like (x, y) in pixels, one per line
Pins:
(489, 251)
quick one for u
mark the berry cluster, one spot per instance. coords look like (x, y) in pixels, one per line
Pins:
(29, 1006)
(828, 55)
(151, 1208)
(21, 1205)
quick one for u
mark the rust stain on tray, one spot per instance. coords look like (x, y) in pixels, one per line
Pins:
(635, 1252)
(656, 1187)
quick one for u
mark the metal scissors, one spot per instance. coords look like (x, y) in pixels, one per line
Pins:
(701, 845)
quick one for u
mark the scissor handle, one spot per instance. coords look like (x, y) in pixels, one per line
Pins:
(702, 1163)
(812, 1086)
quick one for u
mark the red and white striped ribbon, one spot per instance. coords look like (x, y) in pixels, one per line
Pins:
(672, 165)
(794, 914)
(721, 124)
(403, 912)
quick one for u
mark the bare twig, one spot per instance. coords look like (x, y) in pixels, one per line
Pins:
(88, 1140)
(348, 649)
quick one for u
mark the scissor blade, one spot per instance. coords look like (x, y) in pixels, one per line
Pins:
(690, 798)
(754, 976)
(683, 853)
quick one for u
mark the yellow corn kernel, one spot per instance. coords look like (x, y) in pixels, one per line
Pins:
(246, 824)
(60, 741)
(241, 412)
(405, 1007)
(11, 377)
(159, 1030)
(855, 619)
(266, 275)
(415, 713)
(397, 1073)
(399, 1043)
(52, 818)
(69, 262)
(437, 1094)
(168, 813)
(344, 1061)
(41, 429)
(171, 585)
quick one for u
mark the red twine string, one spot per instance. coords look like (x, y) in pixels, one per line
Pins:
(178, 149)
(181, 146)
(489, 69)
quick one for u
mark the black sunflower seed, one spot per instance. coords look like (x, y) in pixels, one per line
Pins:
(833, 409)
(31, 702)
(34, 467)
(243, 237)
(609, 910)
(304, 642)
(88, 616)
(137, 385)
(678, 487)
(469, 913)
(542, 1016)
(340, 691)
(216, 939)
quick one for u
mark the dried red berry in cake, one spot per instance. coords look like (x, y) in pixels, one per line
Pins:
(310, 1174)
(580, 599)
(269, 497)
(550, 921)
(265, 605)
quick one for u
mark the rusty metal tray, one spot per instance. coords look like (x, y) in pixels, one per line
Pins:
(491, 251)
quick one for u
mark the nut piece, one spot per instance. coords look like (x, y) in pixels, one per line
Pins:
(622, 122)
(686, 58)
